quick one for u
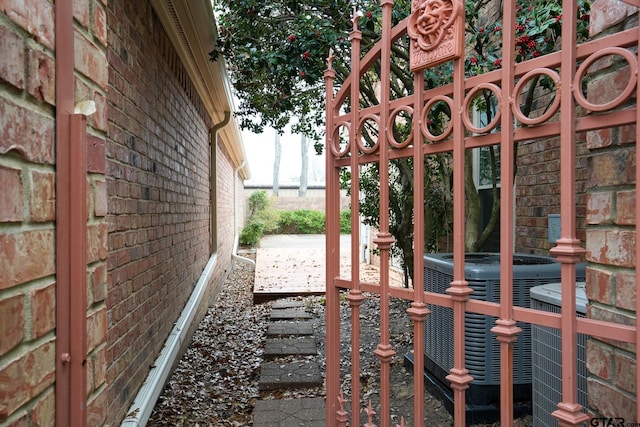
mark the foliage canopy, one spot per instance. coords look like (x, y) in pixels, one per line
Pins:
(276, 52)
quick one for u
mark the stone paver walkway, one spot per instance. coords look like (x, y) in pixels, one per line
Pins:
(289, 337)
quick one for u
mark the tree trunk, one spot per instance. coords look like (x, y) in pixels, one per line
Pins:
(276, 165)
(304, 170)
(472, 205)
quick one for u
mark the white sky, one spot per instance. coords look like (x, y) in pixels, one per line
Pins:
(260, 150)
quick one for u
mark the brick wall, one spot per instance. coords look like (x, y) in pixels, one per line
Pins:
(158, 196)
(610, 236)
(28, 202)
(538, 192)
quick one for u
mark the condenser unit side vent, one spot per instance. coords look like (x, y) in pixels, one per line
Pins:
(546, 344)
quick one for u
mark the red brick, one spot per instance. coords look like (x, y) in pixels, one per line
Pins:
(96, 328)
(26, 377)
(37, 17)
(97, 242)
(613, 315)
(599, 138)
(608, 401)
(606, 13)
(44, 411)
(611, 168)
(627, 134)
(91, 61)
(81, 12)
(99, 283)
(100, 199)
(99, 118)
(23, 421)
(626, 207)
(43, 310)
(599, 207)
(99, 365)
(42, 200)
(12, 322)
(11, 195)
(599, 285)
(26, 256)
(100, 23)
(96, 158)
(611, 246)
(625, 368)
(626, 290)
(42, 76)
(97, 409)
(609, 86)
(12, 54)
(27, 132)
(599, 359)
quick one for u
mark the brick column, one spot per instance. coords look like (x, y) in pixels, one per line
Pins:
(610, 237)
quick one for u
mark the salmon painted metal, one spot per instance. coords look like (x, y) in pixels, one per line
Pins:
(566, 69)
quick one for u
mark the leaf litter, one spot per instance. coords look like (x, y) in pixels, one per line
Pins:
(216, 382)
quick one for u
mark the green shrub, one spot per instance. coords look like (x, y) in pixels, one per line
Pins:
(345, 221)
(302, 221)
(262, 219)
(258, 201)
(251, 233)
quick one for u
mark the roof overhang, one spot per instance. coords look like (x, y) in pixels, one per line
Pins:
(192, 29)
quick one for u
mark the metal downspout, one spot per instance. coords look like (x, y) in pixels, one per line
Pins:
(234, 254)
(71, 232)
(214, 137)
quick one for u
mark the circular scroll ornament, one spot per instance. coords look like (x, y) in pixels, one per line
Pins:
(467, 104)
(392, 118)
(425, 114)
(335, 142)
(628, 90)
(361, 146)
(517, 112)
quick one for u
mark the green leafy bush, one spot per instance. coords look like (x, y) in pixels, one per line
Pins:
(302, 221)
(251, 233)
(258, 202)
(262, 219)
(345, 221)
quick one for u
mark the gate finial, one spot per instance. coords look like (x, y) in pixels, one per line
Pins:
(341, 415)
(370, 413)
(356, 17)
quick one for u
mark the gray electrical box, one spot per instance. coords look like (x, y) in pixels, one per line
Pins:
(553, 224)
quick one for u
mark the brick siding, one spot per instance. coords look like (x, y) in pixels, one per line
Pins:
(148, 202)
(157, 162)
(538, 192)
(610, 234)
(28, 203)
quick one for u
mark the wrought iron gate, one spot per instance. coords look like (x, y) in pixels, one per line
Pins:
(567, 70)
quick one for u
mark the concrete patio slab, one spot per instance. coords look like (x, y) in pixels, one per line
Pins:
(289, 265)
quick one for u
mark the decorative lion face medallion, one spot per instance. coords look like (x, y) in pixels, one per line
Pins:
(436, 28)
